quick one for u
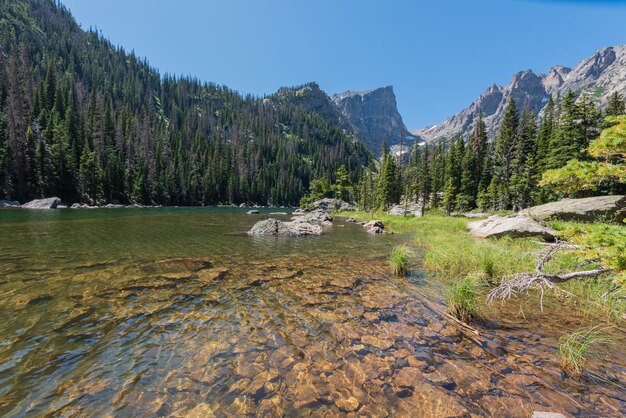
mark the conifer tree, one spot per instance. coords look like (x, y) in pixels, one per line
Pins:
(616, 105)
(504, 153)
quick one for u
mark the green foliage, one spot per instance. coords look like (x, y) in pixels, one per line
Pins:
(400, 260)
(577, 176)
(343, 184)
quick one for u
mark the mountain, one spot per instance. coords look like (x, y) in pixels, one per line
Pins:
(599, 76)
(374, 114)
(87, 121)
(312, 98)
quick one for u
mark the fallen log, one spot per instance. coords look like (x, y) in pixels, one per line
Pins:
(523, 282)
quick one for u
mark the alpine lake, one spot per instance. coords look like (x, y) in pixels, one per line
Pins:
(177, 312)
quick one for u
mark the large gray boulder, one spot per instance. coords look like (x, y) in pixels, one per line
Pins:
(328, 204)
(47, 203)
(406, 210)
(317, 216)
(10, 204)
(510, 226)
(274, 227)
(589, 209)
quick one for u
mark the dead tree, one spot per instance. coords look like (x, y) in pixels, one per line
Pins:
(523, 282)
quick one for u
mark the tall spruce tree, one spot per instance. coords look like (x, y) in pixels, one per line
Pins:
(505, 146)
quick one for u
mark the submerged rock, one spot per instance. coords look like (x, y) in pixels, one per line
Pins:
(274, 227)
(589, 209)
(405, 210)
(252, 212)
(511, 226)
(47, 203)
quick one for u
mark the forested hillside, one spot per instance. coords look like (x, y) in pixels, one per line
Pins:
(86, 121)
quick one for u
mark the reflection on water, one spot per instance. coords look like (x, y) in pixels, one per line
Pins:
(163, 312)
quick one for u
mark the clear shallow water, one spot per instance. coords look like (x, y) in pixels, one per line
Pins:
(161, 312)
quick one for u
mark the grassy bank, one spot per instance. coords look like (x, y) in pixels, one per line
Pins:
(450, 254)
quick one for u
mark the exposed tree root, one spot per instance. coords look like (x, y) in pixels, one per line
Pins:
(523, 282)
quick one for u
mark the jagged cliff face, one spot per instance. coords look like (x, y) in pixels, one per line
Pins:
(599, 76)
(374, 115)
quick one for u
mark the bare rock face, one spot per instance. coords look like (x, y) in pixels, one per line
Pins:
(590, 209)
(406, 210)
(328, 204)
(601, 75)
(274, 227)
(511, 226)
(47, 203)
(375, 116)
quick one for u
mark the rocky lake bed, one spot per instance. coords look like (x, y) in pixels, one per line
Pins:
(178, 312)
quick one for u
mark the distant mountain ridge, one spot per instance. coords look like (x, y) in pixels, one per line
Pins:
(599, 76)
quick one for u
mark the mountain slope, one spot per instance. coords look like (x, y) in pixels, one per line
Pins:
(87, 121)
(375, 116)
(600, 75)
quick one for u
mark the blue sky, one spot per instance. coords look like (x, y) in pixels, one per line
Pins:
(439, 55)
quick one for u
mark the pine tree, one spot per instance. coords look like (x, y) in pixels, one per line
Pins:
(504, 153)
(616, 105)
(522, 177)
(424, 177)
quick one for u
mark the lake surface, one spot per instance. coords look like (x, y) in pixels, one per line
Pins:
(176, 312)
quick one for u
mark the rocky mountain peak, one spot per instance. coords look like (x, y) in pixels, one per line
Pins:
(374, 114)
(599, 76)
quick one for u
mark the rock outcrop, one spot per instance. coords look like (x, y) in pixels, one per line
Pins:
(10, 204)
(375, 116)
(589, 209)
(274, 227)
(601, 75)
(406, 210)
(510, 226)
(374, 227)
(47, 203)
(317, 216)
(329, 204)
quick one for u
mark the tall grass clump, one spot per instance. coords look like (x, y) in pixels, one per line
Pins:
(577, 348)
(400, 260)
(462, 300)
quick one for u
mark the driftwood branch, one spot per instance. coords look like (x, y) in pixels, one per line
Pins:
(523, 282)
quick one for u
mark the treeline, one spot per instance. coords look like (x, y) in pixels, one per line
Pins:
(501, 173)
(86, 121)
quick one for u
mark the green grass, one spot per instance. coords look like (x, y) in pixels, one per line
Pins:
(449, 253)
(462, 299)
(576, 349)
(400, 260)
